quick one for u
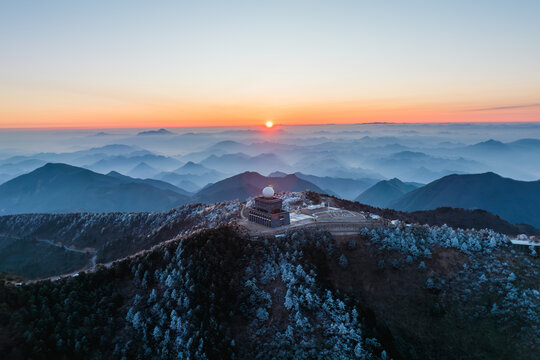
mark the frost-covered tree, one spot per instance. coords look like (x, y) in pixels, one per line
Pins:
(343, 261)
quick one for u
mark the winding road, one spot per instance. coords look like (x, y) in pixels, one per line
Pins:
(87, 251)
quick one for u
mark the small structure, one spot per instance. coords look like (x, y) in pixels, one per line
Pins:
(267, 210)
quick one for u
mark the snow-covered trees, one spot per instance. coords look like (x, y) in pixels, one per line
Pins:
(315, 318)
(117, 235)
(343, 261)
(217, 294)
(417, 241)
(186, 311)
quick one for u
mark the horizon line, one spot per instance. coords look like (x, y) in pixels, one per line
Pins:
(275, 125)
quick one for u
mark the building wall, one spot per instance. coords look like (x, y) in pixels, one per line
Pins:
(282, 218)
(269, 205)
(270, 220)
(268, 212)
(260, 218)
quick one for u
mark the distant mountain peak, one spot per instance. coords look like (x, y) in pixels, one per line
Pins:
(143, 165)
(51, 165)
(486, 175)
(101, 133)
(277, 174)
(226, 144)
(192, 165)
(143, 170)
(155, 132)
(115, 147)
(383, 193)
(58, 167)
(490, 144)
(192, 168)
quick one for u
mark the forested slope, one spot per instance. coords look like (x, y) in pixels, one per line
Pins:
(400, 292)
(111, 236)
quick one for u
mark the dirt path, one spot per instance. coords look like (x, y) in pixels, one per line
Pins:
(90, 267)
(93, 259)
(91, 251)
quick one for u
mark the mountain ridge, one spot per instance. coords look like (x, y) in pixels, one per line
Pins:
(383, 193)
(514, 200)
(64, 188)
(248, 184)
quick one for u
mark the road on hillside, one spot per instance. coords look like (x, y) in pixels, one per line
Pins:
(87, 251)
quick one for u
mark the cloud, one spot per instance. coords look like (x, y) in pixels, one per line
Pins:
(509, 107)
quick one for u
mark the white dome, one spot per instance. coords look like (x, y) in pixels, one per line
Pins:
(268, 192)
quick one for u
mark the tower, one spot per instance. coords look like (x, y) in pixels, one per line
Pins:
(267, 210)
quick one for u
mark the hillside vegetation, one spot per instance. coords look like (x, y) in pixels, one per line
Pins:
(111, 236)
(18, 258)
(397, 292)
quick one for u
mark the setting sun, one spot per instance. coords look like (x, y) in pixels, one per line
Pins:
(269, 124)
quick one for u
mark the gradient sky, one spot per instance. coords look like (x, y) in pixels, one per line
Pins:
(131, 63)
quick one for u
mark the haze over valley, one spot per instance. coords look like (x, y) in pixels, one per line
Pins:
(377, 164)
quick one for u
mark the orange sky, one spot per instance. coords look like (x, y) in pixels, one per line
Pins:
(102, 64)
(190, 115)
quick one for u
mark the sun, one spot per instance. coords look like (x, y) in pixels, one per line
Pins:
(269, 124)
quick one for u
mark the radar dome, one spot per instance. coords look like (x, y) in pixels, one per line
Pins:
(268, 192)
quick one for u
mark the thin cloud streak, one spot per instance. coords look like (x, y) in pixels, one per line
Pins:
(508, 107)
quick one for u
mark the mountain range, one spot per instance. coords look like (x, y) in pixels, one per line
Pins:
(59, 188)
(342, 187)
(419, 166)
(126, 164)
(192, 168)
(239, 162)
(153, 182)
(192, 183)
(249, 184)
(491, 146)
(513, 200)
(385, 192)
(191, 176)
